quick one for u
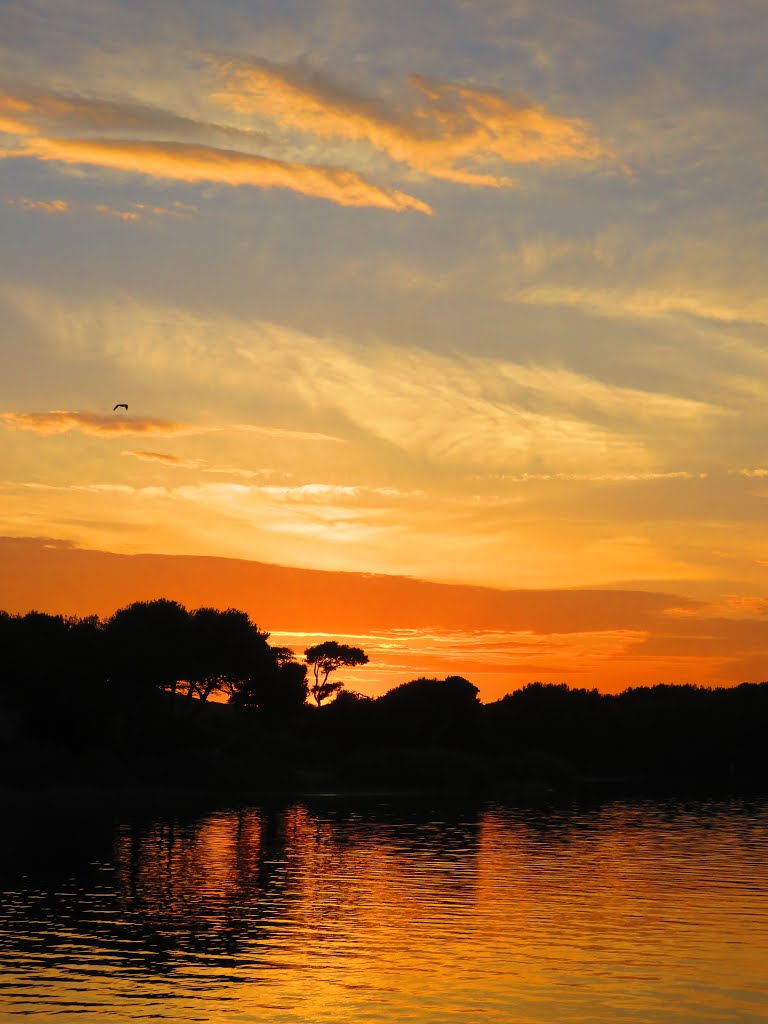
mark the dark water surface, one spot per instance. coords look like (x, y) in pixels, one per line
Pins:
(340, 910)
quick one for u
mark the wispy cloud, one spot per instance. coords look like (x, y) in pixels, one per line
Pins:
(41, 205)
(60, 421)
(165, 459)
(645, 303)
(202, 465)
(129, 216)
(529, 478)
(601, 397)
(177, 210)
(292, 435)
(11, 126)
(483, 411)
(144, 212)
(458, 132)
(33, 112)
(476, 412)
(133, 212)
(324, 492)
(14, 115)
(190, 162)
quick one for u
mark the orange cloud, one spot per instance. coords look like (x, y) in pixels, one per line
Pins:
(14, 114)
(447, 132)
(191, 162)
(42, 205)
(60, 421)
(12, 126)
(135, 213)
(166, 460)
(126, 215)
(28, 111)
(180, 211)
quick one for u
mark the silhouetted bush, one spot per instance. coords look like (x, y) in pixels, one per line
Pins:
(429, 712)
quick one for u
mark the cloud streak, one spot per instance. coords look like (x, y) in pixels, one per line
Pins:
(645, 303)
(41, 205)
(61, 421)
(14, 115)
(292, 435)
(191, 162)
(202, 465)
(165, 459)
(133, 213)
(33, 112)
(452, 131)
(528, 478)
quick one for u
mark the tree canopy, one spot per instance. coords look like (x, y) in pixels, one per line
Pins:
(200, 653)
(326, 658)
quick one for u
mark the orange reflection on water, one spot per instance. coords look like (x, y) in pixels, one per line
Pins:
(334, 911)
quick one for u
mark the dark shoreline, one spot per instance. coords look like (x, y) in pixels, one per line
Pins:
(330, 788)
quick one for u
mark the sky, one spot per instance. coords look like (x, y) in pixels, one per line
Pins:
(442, 327)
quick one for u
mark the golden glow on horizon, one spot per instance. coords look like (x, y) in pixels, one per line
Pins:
(500, 640)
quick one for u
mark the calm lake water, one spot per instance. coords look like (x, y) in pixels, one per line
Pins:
(330, 910)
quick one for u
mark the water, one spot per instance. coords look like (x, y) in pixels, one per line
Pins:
(370, 911)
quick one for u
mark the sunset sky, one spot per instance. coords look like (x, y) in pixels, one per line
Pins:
(442, 325)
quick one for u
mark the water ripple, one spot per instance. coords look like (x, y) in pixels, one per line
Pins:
(334, 912)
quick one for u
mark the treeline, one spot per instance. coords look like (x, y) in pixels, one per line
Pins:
(127, 699)
(58, 669)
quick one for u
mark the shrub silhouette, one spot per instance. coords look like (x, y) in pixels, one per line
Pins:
(430, 712)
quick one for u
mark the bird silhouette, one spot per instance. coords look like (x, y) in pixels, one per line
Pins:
(120, 405)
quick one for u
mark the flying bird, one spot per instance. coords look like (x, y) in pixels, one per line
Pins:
(120, 405)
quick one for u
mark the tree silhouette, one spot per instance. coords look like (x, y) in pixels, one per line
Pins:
(50, 672)
(148, 646)
(430, 712)
(275, 685)
(277, 691)
(326, 658)
(225, 646)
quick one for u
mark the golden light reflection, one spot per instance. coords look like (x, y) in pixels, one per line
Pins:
(336, 909)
